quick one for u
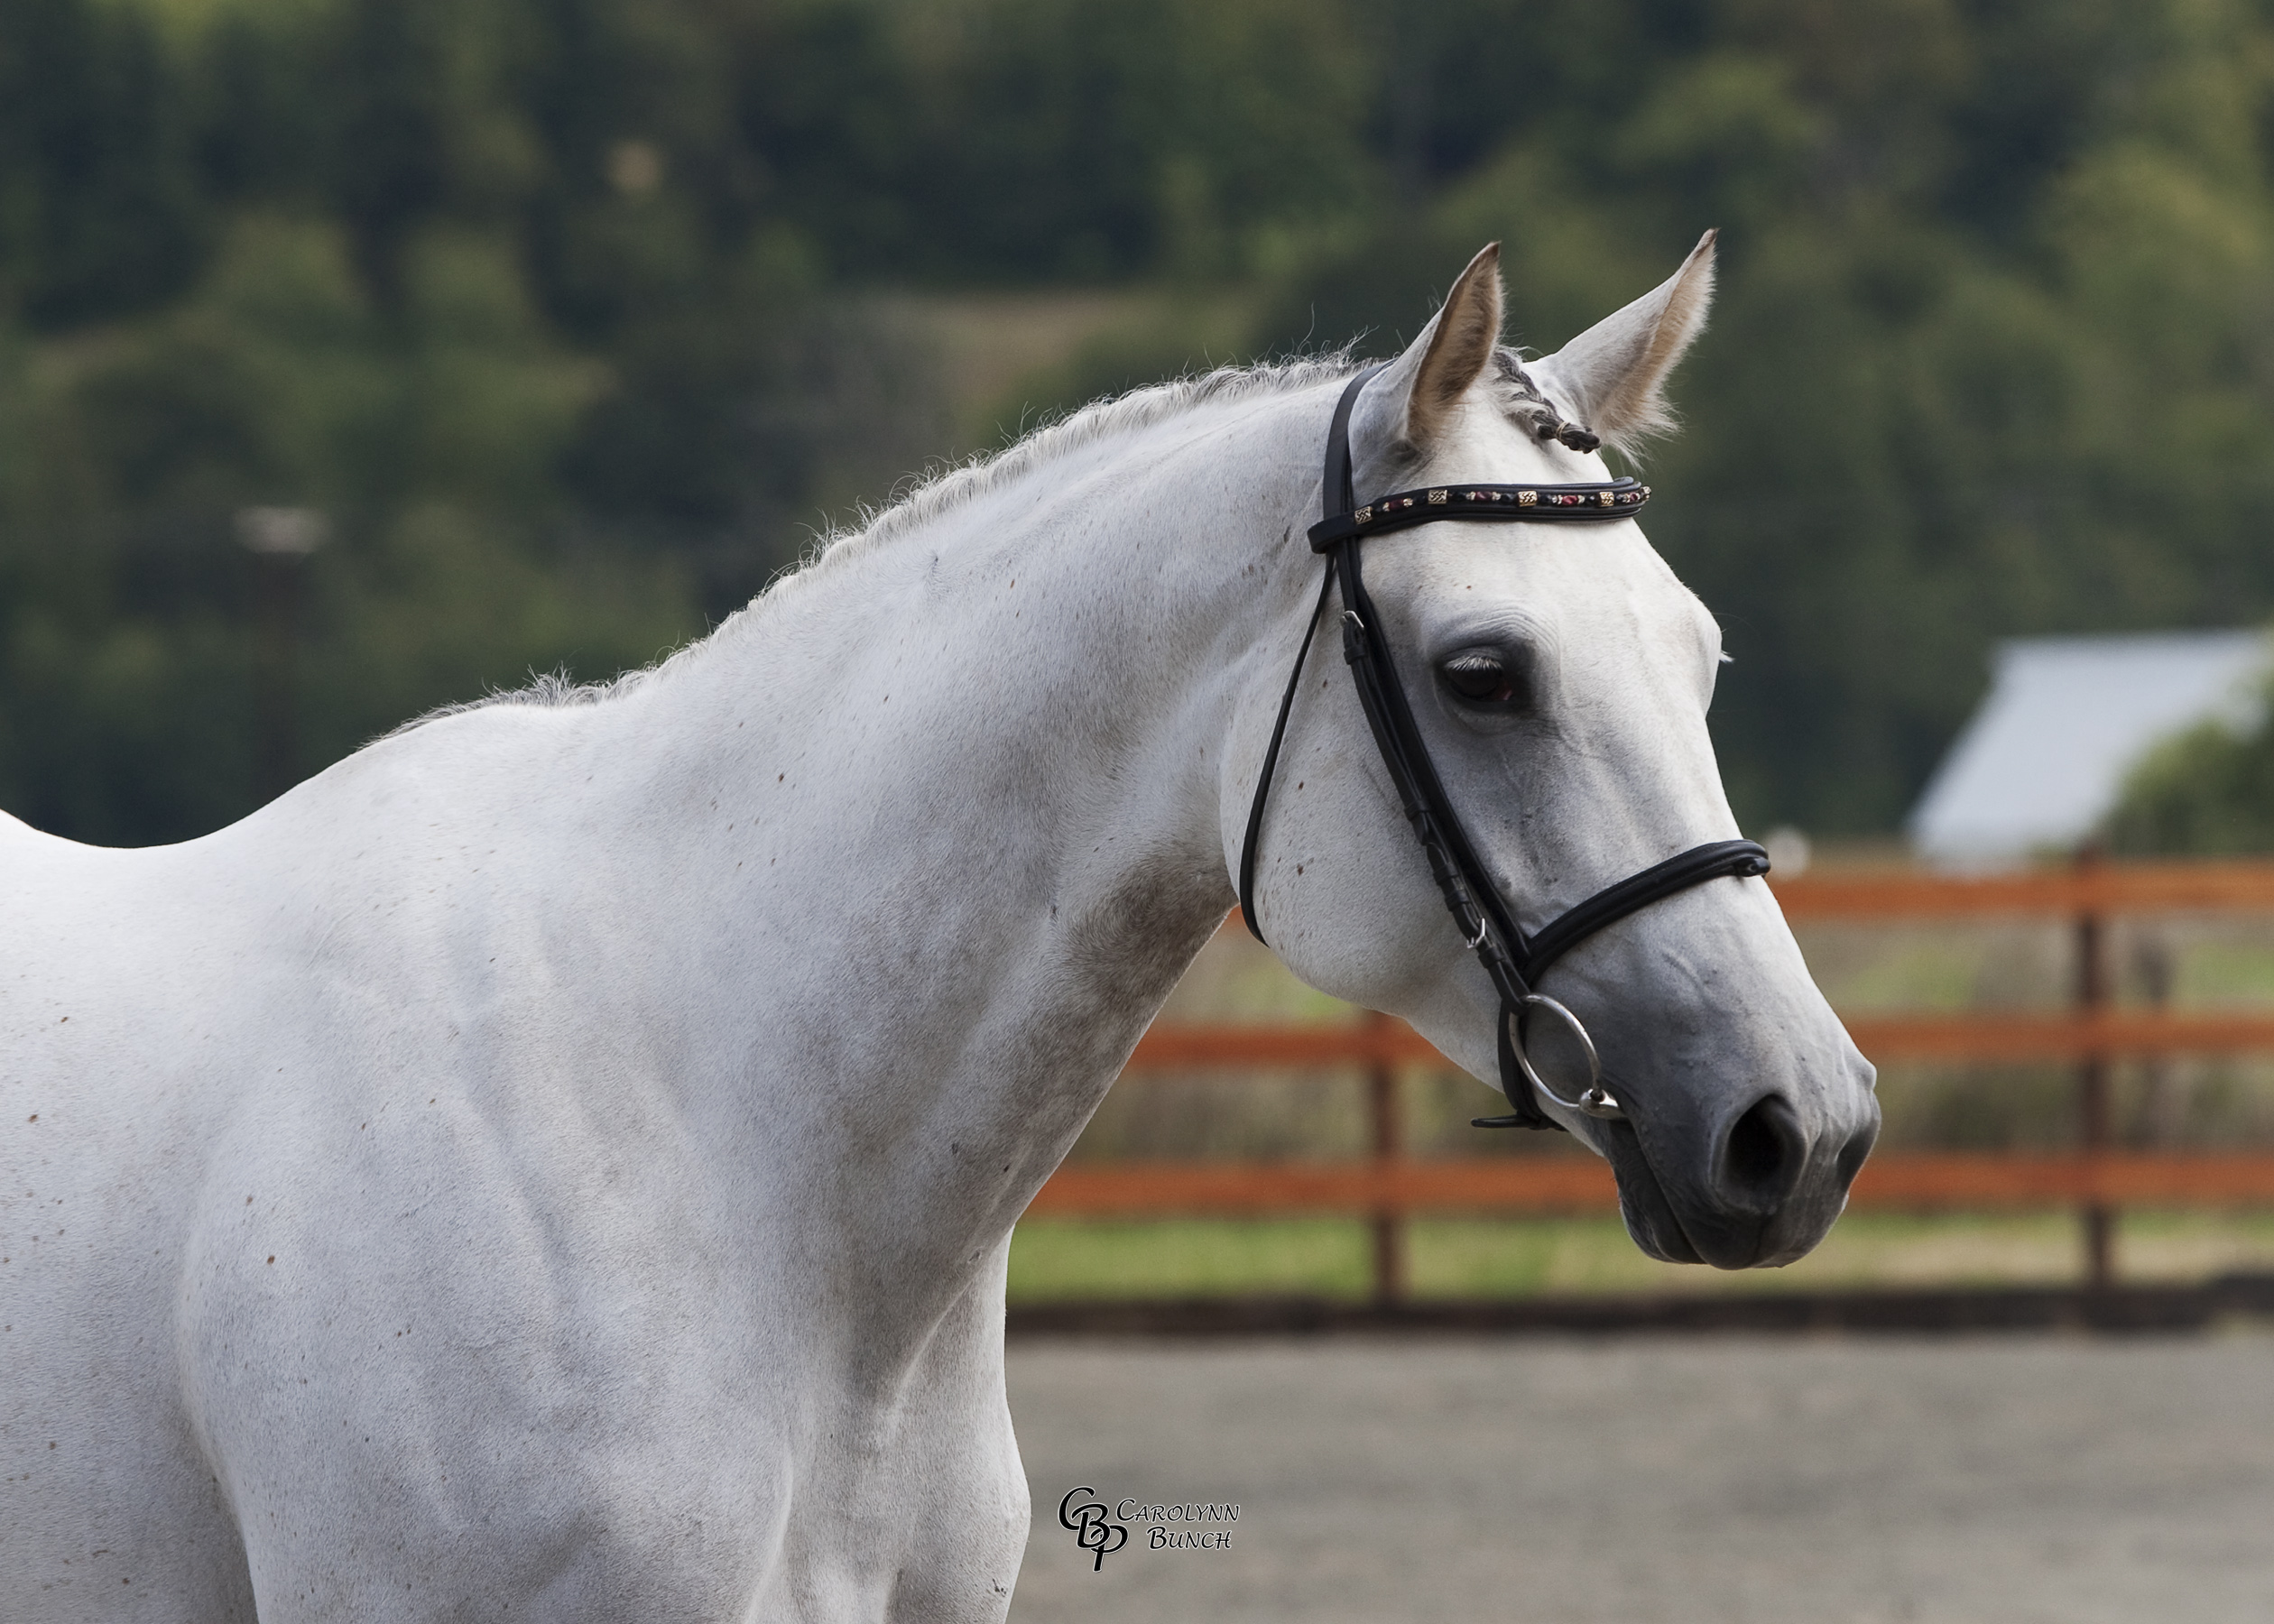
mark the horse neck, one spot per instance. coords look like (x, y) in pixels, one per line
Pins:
(962, 791)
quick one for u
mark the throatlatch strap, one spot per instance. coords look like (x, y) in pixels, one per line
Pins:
(1334, 482)
(1252, 840)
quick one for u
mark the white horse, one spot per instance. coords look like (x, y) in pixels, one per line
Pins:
(559, 1162)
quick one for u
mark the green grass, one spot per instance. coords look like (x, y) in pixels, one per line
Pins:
(1069, 1258)
(1059, 1258)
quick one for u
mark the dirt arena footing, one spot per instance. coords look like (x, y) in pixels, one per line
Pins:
(2114, 1309)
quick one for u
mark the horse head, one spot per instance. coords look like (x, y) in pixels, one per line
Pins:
(1554, 680)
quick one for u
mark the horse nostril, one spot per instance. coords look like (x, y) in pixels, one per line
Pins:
(1762, 1157)
(1852, 1153)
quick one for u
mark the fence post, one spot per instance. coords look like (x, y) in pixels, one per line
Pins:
(1388, 1144)
(2092, 990)
(2160, 1111)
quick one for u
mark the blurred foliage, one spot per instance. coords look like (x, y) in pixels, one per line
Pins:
(2207, 792)
(576, 316)
(1990, 355)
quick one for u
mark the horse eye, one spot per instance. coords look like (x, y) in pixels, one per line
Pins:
(1478, 676)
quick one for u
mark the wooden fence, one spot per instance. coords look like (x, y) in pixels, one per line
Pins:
(2097, 1179)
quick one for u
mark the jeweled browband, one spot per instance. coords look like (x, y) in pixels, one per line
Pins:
(1619, 499)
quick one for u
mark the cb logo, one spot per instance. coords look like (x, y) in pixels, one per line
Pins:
(1093, 1529)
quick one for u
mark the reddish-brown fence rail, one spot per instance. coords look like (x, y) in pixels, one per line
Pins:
(2097, 1179)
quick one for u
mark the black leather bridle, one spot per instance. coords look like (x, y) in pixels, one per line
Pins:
(1514, 961)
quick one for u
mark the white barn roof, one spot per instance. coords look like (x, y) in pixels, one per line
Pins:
(2066, 717)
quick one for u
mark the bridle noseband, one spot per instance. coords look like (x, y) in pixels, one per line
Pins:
(1514, 961)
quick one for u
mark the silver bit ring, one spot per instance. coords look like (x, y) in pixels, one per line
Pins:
(1595, 1100)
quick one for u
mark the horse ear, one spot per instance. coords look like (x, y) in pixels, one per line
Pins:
(1451, 354)
(1610, 378)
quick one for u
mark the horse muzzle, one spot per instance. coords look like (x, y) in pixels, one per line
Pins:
(1755, 1185)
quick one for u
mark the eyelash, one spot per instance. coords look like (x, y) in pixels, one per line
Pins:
(1480, 667)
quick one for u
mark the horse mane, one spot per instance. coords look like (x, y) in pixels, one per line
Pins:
(957, 485)
(946, 487)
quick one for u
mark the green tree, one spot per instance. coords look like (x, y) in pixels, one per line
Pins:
(2208, 793)
(599, 291)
